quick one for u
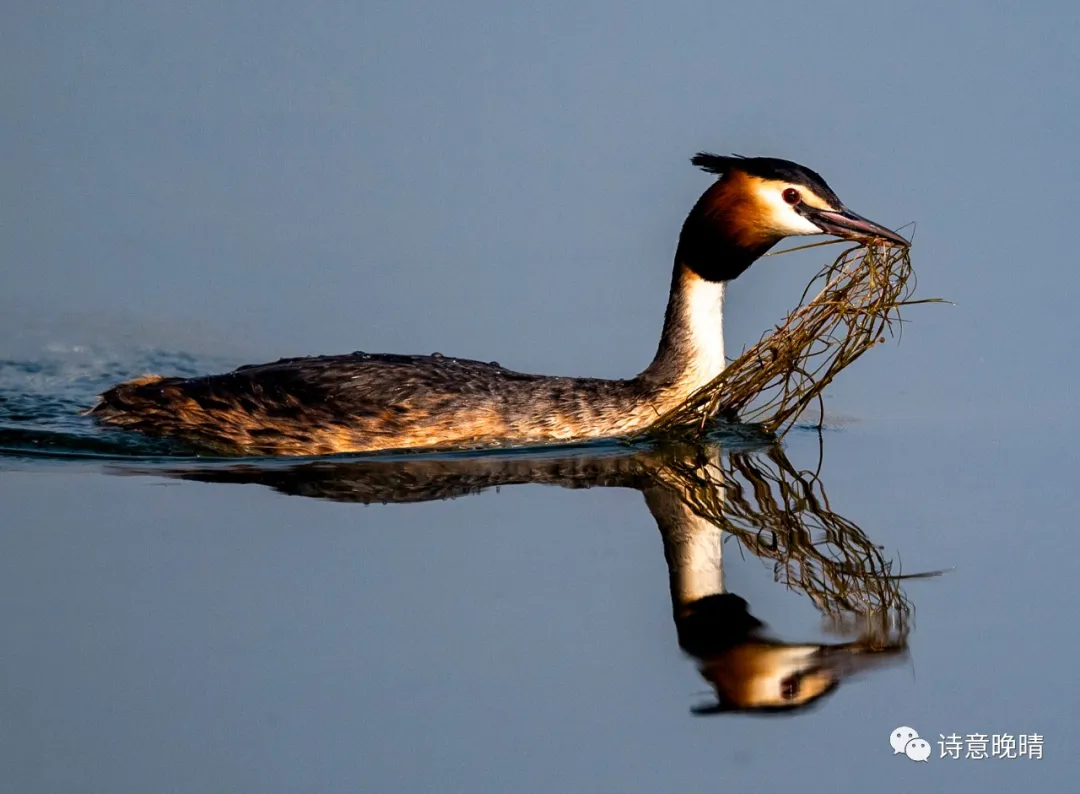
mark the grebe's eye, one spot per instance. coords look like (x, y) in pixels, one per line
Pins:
(790, 687)
(791, 196)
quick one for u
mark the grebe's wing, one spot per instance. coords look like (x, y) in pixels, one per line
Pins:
(344, 400)
(382, 376)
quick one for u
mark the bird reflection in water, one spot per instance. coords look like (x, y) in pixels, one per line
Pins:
(701, 498)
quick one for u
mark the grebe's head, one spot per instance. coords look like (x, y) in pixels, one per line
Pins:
(767, 676)
(761, 200)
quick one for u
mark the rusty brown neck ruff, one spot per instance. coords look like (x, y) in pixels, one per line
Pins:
(720, 240)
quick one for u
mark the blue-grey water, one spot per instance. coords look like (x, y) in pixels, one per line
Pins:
(185, 189)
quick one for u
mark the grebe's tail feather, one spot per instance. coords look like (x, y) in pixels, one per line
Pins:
(125, 400)
(235, 413)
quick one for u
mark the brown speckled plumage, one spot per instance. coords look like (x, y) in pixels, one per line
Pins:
(330, 404)
(361, 402)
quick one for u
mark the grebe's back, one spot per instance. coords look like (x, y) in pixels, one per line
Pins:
(362, 402)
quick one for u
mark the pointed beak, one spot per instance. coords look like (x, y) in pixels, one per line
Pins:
(852, 226)
(853, 658)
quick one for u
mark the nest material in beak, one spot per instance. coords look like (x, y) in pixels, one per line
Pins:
(773, 382)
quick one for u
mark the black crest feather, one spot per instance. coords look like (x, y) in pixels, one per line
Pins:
(766, 168)
(715, 163)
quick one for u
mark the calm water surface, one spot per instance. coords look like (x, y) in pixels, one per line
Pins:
(553, 620)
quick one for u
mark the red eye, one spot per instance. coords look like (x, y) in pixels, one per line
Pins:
(791, 196)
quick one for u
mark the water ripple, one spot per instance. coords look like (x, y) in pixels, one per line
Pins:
(42, 401)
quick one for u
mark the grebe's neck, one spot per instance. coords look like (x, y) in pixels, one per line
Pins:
(691, 350)
(710, 254)
(693, 545)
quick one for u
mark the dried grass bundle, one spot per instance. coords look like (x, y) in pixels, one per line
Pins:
(858, 300)
(780, 513)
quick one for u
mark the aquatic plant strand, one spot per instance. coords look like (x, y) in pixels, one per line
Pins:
(773, 382)
(782, 514)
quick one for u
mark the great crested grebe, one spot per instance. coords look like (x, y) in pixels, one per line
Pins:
(362, 402)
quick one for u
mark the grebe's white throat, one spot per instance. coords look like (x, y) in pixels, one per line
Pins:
(705, 330)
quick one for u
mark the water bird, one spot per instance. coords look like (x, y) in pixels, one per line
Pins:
(363, 402)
